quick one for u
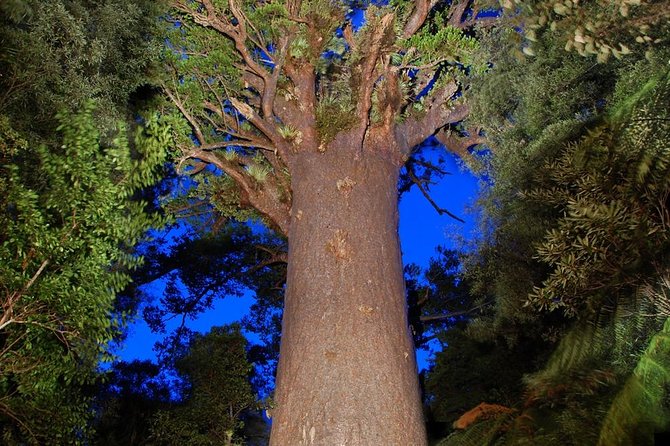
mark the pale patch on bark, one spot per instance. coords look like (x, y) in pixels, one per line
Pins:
(345, 186)
(366, 310)
(243, 108)
(338, 245)
(308, 437)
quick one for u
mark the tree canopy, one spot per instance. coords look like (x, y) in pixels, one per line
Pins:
(254, 84)
(66, 237)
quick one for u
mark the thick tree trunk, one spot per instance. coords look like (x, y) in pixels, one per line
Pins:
(347, 370)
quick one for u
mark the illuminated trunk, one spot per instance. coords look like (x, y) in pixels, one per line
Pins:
(347, 370)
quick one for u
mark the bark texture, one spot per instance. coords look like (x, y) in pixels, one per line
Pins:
(347, 370)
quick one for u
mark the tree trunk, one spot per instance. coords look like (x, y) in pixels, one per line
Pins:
(347, 371)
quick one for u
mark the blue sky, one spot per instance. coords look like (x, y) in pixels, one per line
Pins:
(421, 230)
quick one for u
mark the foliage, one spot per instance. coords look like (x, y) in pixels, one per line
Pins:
(611, 188)
(567, 401)
(66, 231)
(640, 408)
(545, 102)
(539, 93)
(130, 396)
(188, 269)
(218, 373)
(466, 371)
(439, 300)
(57, 55)
(587, 213)
(595, 27)
(549, 101)
(570, 139)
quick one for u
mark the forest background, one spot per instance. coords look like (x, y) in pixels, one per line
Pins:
(566, 283)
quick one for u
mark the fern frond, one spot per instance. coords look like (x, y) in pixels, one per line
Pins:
(640, 408)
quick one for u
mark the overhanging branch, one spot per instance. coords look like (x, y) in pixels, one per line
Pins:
(421, 185)
(441, 317)
(460, 144)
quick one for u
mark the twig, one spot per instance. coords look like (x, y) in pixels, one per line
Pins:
(419, 183)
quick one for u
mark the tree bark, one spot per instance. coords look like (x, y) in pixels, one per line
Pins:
(347, 370)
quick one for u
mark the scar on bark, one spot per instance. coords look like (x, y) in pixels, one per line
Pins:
(345, 186)
(312, 433)
(338, 245)
(366, 310)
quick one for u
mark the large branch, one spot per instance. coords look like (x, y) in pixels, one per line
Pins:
(270, 90)
(248, 112)
(245, 139)
(368, 76)
(240, 38)
(414, 131)
(237, 32)
(298, 108)
(418, 17)
(460, 144)
(264, 199)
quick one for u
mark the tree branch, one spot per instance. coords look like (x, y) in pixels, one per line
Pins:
(457, 13)
(254, 118)
(439, 317)
(418, 17)
(8, 306)
(420, 184)
(275, 257)
(240, 37)
(265, 200)
(460, 144)
(270, 90)
(194, 124)
(368, 77)
(413, 132)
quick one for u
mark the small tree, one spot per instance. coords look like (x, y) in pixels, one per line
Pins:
(216, 370)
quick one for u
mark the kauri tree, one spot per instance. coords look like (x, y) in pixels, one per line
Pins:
(304, 115)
